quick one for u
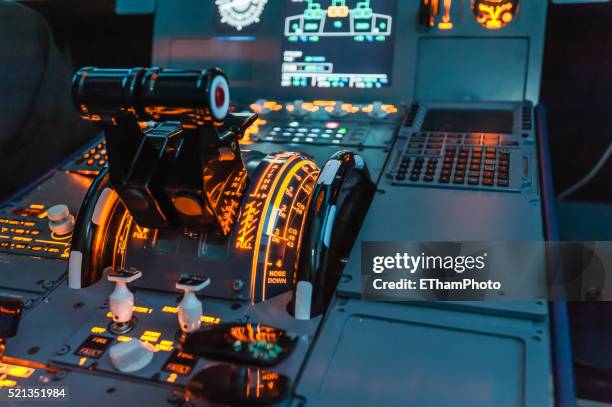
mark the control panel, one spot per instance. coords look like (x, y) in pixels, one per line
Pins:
(438, 147)
(205, 247)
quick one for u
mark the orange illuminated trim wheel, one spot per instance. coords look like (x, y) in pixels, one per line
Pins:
(296, 223)
(269, 232)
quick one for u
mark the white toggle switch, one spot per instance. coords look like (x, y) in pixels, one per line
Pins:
(131, 356)
(61, 222)
(121, 300)
(190, 308)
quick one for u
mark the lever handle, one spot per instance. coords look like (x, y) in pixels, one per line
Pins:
(10, 315)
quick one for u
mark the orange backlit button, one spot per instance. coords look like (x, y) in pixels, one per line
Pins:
(92, 151)
(101, 163)
(90, 162)
(86, 155)
(96, 157)
(103, 152)
(100, 145)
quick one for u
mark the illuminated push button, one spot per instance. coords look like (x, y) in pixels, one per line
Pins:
(61, 222)
(190, 308)
(131, 356)
(332, 125)
(121, 300)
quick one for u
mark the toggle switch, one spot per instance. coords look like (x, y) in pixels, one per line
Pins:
(299, 108)
(131, 356)
(121, 300)
(190, 308)
(61, 222)
(338, 110)
(378, 111)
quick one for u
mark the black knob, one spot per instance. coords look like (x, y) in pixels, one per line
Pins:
(10, 315)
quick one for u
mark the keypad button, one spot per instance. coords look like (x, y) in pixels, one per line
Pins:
(502, 182)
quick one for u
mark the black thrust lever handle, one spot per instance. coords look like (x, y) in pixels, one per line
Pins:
(339, 202)
(185, 168)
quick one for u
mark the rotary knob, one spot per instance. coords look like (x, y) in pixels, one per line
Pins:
(131, 356)
(61, 222)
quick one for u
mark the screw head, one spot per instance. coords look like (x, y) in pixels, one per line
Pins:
(238, 285)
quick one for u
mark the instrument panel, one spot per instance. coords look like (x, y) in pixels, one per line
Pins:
(359, 51)
(406, 115)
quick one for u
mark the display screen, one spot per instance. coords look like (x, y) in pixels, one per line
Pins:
(469, 121)
(338, 43)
